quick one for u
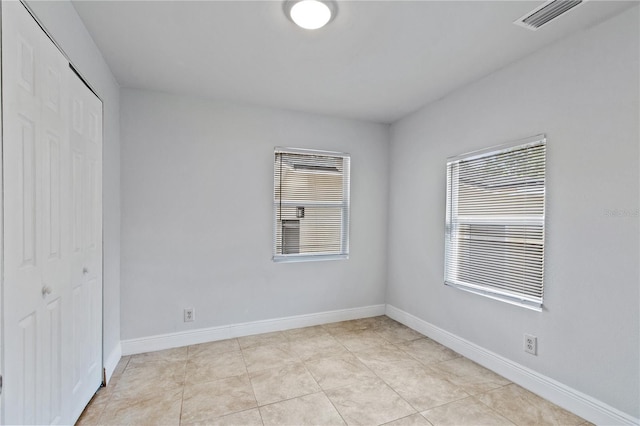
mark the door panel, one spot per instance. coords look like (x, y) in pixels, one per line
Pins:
(77, 179)
(26, 65)
(25, 380)
(86, 230)
(25, 219)
(52, 221)
(26, 346)
(52, 198)
(52, 409)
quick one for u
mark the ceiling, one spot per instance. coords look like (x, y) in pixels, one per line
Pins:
(377, 61)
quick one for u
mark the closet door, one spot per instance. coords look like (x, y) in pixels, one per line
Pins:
(51, 319)
(86, 243)
(36, 272)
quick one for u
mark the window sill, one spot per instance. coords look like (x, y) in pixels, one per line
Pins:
(308, 257)
(513, 300)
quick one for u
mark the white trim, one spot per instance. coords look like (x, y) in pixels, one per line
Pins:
(306, 151)
(111, 362)
(499, 149)
(560, 394)
(307, 257)
(203, 335)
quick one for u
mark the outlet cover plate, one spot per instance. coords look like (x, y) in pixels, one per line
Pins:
(189, 315)
(531, 344)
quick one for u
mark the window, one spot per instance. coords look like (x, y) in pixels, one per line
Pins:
(310, 205)
(494, 238)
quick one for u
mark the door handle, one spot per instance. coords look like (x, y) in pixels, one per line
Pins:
(46, 290)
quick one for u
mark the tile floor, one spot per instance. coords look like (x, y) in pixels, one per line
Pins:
(371, 371)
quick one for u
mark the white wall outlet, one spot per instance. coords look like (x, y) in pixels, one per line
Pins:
(531, 344)
(189, 314)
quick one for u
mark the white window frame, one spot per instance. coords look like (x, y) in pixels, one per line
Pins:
(531, 295)
(344, 205)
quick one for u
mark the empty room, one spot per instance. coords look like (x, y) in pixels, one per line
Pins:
(322, 212)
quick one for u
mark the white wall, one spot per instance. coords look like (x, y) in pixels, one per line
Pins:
(64, 25)
(197, 215)
(583, 93)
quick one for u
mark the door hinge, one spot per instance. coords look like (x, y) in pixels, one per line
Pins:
(0, 384)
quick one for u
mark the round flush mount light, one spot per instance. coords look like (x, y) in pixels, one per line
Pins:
(310, 14)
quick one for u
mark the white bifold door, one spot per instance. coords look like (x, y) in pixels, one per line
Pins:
(52, 229)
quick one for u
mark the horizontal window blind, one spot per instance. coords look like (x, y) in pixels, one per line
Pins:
(494, 242)
(311, 205)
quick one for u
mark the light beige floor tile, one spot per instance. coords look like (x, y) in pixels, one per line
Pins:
(396, 333)
(213, 348)
(204, 402)
(471, 377)
(167, 355)
(162, 407)
(339, 371)
(371, 322)
(378, 356)
(243, 418)
(113, 381)
(412, 420)
(392, 370)
(120, 367)
(348, 326)
(420, 387)
(360, 340)
(305, 333)
(428, 351)
(317, 347)
(270, 356)
(384, 320)
(467, 411)
(264, 339)
(103, 395)
(525, 408)
(91, 414)
(368, 403)
(339, 325)
(149, 378)
(205, 369)
(277, 384)
(313, 409)
(465, 367)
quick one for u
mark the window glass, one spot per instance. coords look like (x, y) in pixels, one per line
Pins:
(494, 242)
(311, 205)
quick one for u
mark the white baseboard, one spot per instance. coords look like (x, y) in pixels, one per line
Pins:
(193, 337)
(568, 398)
(111, 362)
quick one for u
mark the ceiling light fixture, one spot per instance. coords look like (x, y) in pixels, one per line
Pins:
(311, 14)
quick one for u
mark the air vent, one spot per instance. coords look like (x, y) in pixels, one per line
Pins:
(546, 13)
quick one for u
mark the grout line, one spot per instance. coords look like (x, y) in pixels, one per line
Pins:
(334, 407)
(493, 409)
(246, 369)
(184, 385)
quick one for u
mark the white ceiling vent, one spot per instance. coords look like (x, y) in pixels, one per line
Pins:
(546, 13)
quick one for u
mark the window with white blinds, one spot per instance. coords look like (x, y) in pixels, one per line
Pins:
(494, 242)
(310, 205)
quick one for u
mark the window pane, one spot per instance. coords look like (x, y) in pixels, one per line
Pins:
(319, 232)
(311, 204)
(495, 222)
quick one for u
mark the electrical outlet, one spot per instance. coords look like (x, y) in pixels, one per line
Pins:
(189, 314)
(531, 344)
